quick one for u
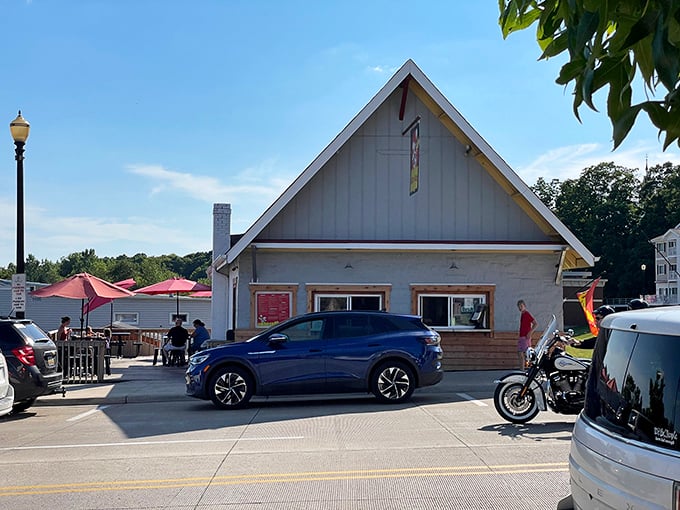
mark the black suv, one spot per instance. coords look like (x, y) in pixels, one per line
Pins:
(31, 361)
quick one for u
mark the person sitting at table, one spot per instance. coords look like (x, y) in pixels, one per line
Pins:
(177, 341)
(64, 331)
(199, 335)
(89, 333)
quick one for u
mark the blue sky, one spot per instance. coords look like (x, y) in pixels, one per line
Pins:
(145, 113)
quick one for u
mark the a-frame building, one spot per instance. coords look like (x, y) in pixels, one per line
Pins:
(408, 210)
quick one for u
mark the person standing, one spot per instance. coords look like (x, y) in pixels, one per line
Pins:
(64, 331)
(527, 325)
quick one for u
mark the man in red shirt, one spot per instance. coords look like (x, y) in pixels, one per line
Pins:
(527, 325)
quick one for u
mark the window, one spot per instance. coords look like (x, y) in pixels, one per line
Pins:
(323, 298)
(661, 269)
(350, 326)
(183, 316)
(636, 390)
(131, 318)
(326, 303)
(450, 311)
(304, 330)
(454, 307)
(661, 247)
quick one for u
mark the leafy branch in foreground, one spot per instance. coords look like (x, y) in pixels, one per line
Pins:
(608, 43)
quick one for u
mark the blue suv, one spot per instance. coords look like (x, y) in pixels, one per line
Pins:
(325, 352)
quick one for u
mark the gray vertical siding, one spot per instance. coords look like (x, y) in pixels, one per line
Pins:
(362, 193)
(522, 276)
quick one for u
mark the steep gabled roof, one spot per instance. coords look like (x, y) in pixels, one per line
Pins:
(409, 75)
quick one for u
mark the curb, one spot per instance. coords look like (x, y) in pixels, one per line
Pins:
(121, 399)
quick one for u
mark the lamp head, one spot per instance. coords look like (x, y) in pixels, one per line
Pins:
(19, 128)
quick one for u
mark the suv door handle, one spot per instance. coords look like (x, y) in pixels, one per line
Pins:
(314, 350)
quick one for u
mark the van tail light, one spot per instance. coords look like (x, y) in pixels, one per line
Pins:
(25, 354)
(676, 495)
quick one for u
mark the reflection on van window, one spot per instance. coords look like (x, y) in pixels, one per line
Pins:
(637, 381)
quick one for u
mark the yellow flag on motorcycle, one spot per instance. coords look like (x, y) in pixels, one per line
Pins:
(586, 300)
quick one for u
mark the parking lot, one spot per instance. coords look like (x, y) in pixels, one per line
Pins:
(139, 442)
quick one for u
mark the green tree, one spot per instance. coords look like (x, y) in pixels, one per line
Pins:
(151, 270)
(660, 199)
(41, 271)
(607, 44)
(85, 261)
(547, 191)
(601, 209)
(122, 268)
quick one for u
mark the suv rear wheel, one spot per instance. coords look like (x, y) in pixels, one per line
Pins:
(393, 382)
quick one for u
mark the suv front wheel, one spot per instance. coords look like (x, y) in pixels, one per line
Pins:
(230, 388)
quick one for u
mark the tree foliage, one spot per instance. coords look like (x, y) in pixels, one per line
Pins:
(145, 270)
(615, 214)
(608, 44)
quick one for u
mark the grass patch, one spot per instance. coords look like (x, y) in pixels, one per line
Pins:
(580, 353)
(585, 334)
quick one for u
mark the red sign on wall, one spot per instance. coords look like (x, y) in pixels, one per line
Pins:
(272, 308)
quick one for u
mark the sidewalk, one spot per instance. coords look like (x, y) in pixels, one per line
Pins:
(132, 380)
(138, 380)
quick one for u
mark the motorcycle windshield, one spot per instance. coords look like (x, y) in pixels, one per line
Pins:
(547, 335)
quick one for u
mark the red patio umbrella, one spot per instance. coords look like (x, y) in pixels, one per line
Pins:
(96, 302)
(202, 293)
(175, 286)
(83, 286)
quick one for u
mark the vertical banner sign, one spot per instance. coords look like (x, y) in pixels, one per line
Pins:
(19, 292)
(272, 308)
(415, 158)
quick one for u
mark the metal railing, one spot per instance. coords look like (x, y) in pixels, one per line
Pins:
(82, 361)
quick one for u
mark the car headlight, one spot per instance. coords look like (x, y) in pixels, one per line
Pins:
(197, 359)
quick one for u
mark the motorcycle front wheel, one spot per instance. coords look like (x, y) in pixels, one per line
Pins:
(511, 406)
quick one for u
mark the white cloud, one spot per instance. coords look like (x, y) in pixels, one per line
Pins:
(568, 162)
(389, 70)
(260, 182)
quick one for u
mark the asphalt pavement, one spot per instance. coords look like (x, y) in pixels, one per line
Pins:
(138, 380)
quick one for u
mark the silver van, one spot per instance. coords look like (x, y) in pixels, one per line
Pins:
(625, 449)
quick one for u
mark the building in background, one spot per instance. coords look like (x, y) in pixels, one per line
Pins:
(140, 311)
(407, 210)
(666, 268)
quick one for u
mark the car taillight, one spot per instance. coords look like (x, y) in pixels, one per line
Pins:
(434, 340)
(676, 495)
(25, 354)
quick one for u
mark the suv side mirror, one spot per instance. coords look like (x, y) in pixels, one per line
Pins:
(277, 338)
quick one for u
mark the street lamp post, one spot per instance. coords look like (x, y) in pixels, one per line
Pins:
(643, 267)
(20, 128)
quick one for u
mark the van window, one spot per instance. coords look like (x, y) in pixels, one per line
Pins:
(633, 388)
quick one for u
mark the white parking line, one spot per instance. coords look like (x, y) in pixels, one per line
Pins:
(88, 413)
(472, 399)
(147, 443)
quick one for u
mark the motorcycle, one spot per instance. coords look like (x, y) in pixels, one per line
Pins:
(552, 379)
